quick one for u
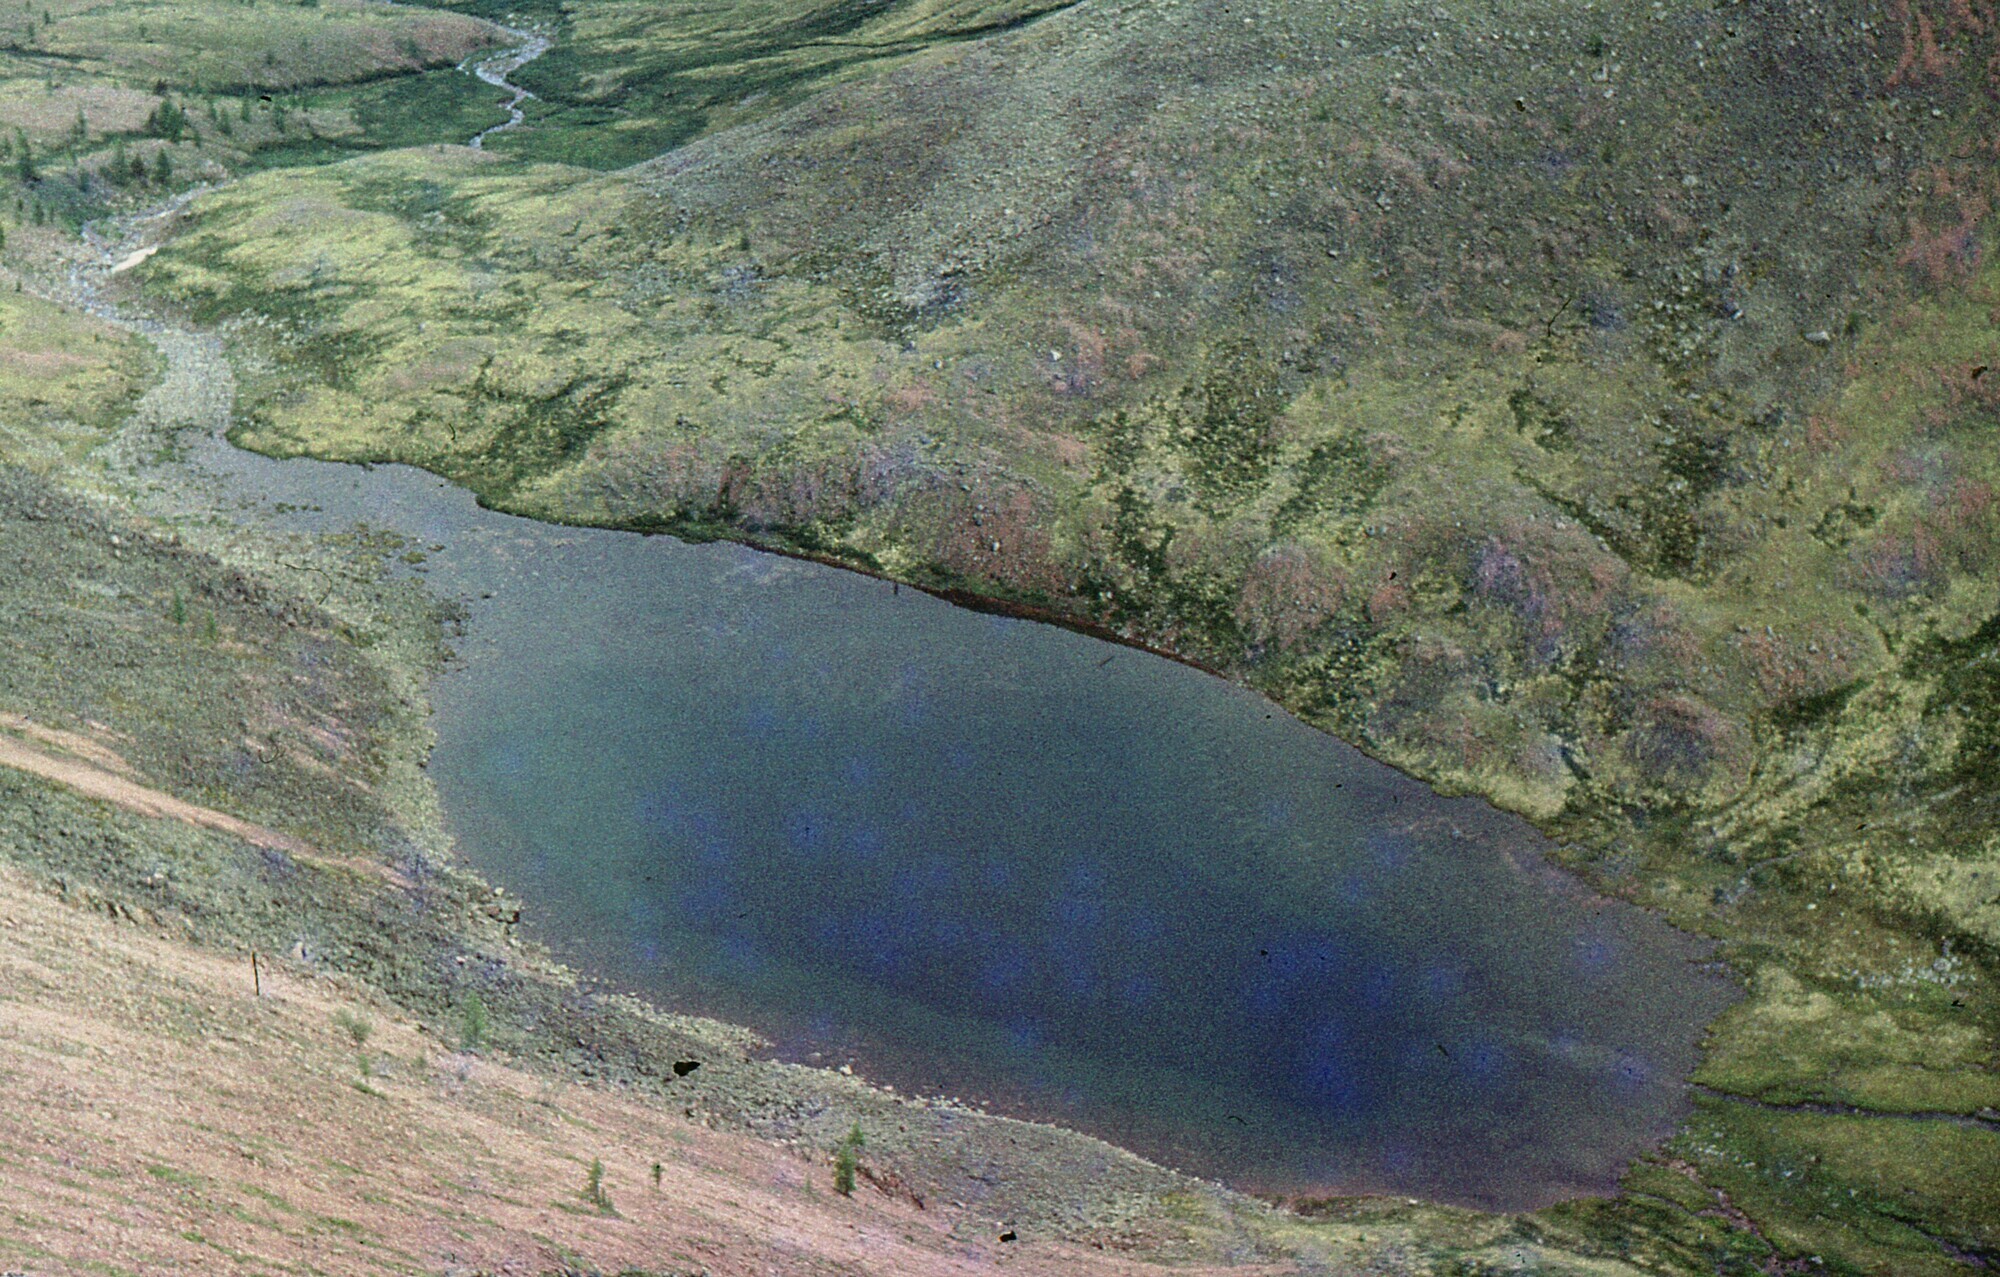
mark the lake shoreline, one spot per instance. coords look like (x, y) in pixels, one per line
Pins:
(543, 1013)
(143, 225)
(959, 597)
(451, 521)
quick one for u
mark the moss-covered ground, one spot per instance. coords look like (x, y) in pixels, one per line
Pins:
(1589, 406)
(111, 106)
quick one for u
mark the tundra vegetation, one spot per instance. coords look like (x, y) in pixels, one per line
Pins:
(104, 106)
(1590, 406)
(630, 79)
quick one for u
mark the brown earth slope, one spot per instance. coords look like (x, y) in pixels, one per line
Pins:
(161, 1117)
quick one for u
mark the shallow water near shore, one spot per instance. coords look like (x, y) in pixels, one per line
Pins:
(990, 858)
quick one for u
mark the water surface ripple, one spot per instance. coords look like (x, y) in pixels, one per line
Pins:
(986, 857)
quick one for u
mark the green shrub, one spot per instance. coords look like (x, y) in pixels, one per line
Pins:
(358, 1027)
(168, 121)
(472, 1025)
(846, 1159)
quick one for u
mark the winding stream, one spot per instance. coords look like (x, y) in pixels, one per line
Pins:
(984, 857)
(495, 70)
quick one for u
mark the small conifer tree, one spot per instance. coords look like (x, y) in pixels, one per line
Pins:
(593, 1186)
(472, 1022)
(846, 1159)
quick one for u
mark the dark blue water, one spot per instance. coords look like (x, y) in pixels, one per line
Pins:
(985, 857)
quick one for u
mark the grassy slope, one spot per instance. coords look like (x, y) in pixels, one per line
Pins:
(227, 46)
(1586, 407)
(283, 682)
(630, 78)
(155, 1112)
(66, 380)
(259, 83)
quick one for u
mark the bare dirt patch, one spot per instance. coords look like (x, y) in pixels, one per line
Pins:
(100, 777)
(163, 1117)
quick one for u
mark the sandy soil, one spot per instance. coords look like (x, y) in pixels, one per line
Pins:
(133, 258)
(96, 772)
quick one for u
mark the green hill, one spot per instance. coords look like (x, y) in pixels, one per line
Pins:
(630, 78)
(1586, 405)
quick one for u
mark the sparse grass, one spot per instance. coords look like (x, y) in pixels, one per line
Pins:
(270, 1198)
(178, 1178)
(359, 1028)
